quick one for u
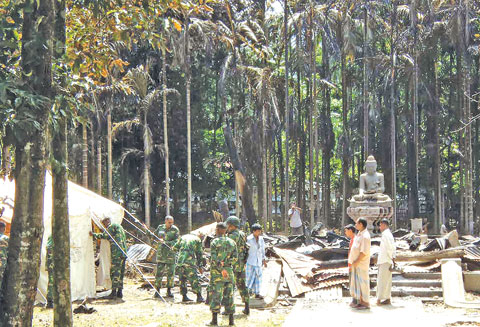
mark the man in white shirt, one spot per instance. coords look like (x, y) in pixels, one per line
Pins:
(384, 262)
(295, 220)
(256, 259)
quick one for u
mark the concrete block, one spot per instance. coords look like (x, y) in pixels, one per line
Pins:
(471, 281)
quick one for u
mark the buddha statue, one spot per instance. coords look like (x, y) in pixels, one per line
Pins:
(371, 185)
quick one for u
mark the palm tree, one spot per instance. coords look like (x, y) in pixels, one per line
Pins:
(140, 82)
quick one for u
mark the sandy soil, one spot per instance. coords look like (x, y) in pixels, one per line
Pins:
(138, 308)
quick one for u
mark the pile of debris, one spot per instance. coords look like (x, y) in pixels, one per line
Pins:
(318, 260)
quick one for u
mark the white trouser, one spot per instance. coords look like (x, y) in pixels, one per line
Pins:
(384, 282)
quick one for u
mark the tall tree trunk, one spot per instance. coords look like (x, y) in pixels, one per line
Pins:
(92, 167)
(239, 170)
(287, 118)
(393, 133)
(109, 153)
(365, 83)
(328, 135)
(19, 286)
(416, 143)
(99, 167)
(310, 117)
(346, 141)
(62, 307)
(264, 189)
(189, 133)
(84, 156)
(147, 149)
(468, 129)
(165, 134)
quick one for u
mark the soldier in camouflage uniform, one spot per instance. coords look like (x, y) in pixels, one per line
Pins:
(118, 250)
(190, 261)
(50, 272)
(240, 238)
(223, 259)
(3, 250)
(168, 234)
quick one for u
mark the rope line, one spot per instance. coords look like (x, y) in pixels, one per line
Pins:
(98, 223)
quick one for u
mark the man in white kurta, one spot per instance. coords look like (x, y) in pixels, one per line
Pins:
(359, 258)
(384, 262)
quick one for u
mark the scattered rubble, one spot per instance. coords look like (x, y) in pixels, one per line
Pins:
(300, 265)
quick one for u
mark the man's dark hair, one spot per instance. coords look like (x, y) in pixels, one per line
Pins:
(350, 227)
(256, 227)
(2, 224)
(385, 221)
(222, 226)
(362, 221)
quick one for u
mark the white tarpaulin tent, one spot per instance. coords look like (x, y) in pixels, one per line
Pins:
(83, 205)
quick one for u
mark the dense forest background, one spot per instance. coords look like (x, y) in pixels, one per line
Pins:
(213, 87)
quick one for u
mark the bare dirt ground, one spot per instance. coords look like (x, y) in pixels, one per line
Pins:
(404, 312)
(138, 308)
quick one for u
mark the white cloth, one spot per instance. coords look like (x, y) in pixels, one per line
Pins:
(387, 248)
(295, 220)
(384, 282)
(256, 251)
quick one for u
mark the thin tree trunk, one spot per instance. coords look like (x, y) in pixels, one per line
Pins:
(393, 133)
(416, 140)
(310, 121)
(287, 118)
(345, 134)
(146, 169)
(93, 167)
(328, 135)
(165, 134)
(264, 189)
(84, 156)
(19, 286)
(468, 129)
(365, 83)
(99, 167)
(189, 134)
(109, 153)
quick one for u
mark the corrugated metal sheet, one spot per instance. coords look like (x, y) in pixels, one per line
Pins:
(472, 253)
(140, 252)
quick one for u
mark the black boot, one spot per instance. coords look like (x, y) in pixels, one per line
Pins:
(230, 320)
(156, 295)
(49, 304)
(200, 298)
(185, 298)
(247, 308)
(169, 292)
(214, 321)
(207, 301)
(120, 293)
(112, 295)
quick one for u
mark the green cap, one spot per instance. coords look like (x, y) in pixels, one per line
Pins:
(232, 220)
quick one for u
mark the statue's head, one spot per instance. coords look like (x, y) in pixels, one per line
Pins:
(371, 165)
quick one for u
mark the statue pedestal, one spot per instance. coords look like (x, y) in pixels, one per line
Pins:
(371, 212)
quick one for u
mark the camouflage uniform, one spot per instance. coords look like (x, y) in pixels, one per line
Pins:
(166, 255)
(118, 257)
(50, 269)
(190, 258)
(223, 250)
(3, 255)
(240, 239)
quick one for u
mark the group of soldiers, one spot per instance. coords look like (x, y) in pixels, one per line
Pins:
(184, 256)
